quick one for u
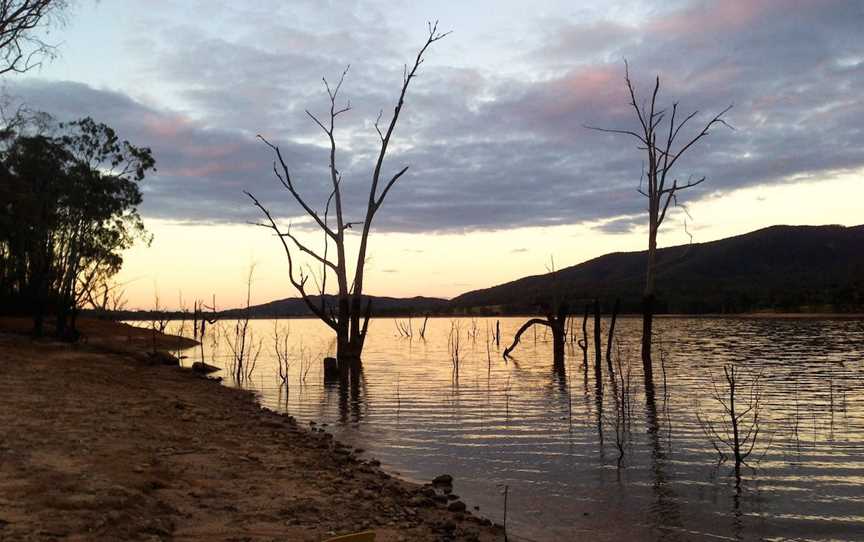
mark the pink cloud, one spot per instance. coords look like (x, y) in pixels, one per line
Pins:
(585, 89)
(215, 169)
(723, 15)
(167, 126)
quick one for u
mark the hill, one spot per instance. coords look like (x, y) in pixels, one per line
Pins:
(295, 307)
(780, 268)
(381, 306)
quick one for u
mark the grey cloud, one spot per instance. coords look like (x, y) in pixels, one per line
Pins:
(626, 224)
(488, 151)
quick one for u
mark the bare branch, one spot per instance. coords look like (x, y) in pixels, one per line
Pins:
(289, 185)
(613, 131)
(388, 186)
(299, 285)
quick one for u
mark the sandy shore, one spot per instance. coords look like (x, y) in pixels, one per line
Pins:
(98, 444)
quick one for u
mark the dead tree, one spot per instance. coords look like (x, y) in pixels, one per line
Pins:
(583, 342)
(423, 327)
(283, 354)
(555, 320)
(556, 314)
(660, 142)
(199, 331)
(244, 350)
(405, 329)
(611, 337)
(598, 341)
(349, 319)
(454, 347)
(738, 426)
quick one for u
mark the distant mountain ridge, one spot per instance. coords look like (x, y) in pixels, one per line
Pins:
(779, 268)
(381, 306)
(775, 269)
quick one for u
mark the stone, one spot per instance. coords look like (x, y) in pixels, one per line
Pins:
(428, 492)
(447, 526)
(418, 501)
(204, 368)
(456, 506)
(163, 358)
(443, 480)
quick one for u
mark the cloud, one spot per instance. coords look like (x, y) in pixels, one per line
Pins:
(486, 149)
(626, 224)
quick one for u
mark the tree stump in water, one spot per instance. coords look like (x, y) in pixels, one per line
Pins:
(331, 369)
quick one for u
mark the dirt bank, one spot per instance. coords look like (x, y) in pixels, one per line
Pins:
(96, 444)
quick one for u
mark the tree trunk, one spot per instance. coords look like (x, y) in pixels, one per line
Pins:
(611, 338)
(598, 354)
(648, 303)
(647, 332)
(348, 351)
(559, 337)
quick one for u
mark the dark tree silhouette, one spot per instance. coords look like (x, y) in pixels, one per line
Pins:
(658, 184)
(556, 311)
(69, 208)
(556, 320)
(349, 319)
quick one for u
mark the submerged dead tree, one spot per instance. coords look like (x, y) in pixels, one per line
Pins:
(556, 321)
(555, 312)
(348, 318)
(736, 429)
(658, 137)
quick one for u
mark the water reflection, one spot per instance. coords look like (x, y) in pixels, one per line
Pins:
(516, 423)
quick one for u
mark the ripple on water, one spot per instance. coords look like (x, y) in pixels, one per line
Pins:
(549, 436)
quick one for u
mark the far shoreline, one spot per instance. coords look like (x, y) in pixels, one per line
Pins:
(718, 315)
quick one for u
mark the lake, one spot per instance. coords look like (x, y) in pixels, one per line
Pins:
(578, 459)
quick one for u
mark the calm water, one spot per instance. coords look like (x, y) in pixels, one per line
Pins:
(551, 438)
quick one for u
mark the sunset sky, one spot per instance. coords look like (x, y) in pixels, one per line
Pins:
(503, 174)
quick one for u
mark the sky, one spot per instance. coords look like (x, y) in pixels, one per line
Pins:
(504, 177)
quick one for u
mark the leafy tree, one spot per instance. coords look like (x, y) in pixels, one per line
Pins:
(69, 209)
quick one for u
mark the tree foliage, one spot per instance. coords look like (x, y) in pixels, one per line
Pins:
(69, 195)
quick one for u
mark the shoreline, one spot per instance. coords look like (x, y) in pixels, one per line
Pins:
(99, 442)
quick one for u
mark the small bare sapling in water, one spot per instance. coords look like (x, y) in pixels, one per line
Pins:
(454, 345)
(244, 349)
(280, 348)
(735, 430)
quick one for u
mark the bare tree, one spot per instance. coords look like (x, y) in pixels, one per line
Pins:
(662, 149)
(738, 426)
(244, 350)
(553, 319)
(454, 347)
(21, 22)
(349, 319)
(555, 312)
(158, 319)
(405, 329)
(283, 355)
